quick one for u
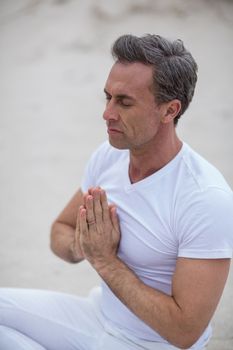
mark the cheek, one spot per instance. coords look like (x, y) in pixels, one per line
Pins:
(147, 122)
(128, 121)
(142, 130)
(139, 122)
(153, 119)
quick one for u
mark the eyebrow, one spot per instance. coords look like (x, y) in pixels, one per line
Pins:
(120, 96)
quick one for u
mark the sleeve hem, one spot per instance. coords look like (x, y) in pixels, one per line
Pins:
(205, 254)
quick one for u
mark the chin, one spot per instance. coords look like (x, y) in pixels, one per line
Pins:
(118, 145)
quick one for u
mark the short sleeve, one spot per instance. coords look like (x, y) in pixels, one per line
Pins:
(205, 225)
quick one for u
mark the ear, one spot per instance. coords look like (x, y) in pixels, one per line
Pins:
(171, 111)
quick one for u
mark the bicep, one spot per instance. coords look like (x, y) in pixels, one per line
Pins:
(197, 287)
(68, 216)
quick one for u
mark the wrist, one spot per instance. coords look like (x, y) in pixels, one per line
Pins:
(107, 267)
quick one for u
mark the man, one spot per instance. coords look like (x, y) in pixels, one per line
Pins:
(153, 218)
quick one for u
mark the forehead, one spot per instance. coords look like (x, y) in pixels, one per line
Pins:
(129, 77)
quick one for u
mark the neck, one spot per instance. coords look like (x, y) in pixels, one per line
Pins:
(146, 160)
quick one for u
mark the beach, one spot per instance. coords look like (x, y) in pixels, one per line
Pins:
(54, 60)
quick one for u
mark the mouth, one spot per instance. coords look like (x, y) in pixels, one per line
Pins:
(113, 131)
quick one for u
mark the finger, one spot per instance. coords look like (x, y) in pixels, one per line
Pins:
(77, 228)
(90, 210)
(85, 195)
(85, 199)
(90, 190)
(104, 204)
(97, 208)
(114, 218)
(76, 233)
(83, 221)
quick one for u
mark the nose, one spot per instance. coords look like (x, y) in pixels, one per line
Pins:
(110, 112)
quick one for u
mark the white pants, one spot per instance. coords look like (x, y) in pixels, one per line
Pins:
(44, 320)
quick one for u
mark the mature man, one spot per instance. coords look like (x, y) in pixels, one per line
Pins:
(153, 218)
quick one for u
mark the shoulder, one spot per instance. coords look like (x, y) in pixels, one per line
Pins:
(203, 191)
(203, 216)
(199, 186)
(206, 208)
(203, 174)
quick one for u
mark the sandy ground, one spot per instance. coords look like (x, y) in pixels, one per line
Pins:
(54, 59)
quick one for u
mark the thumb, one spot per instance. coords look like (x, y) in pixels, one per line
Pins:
(114, 217)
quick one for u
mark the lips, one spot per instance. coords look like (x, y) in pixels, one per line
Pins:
(113, 129)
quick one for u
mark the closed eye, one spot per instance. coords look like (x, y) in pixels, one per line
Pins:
(107, 96)
(124, 103)
(122, 99)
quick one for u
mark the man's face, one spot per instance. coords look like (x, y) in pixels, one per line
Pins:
(132, 116)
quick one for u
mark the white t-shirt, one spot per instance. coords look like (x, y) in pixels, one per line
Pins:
(183, 210)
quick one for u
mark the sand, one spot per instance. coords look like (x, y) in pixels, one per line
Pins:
(54, 60)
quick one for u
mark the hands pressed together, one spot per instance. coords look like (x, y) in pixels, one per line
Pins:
(97, 230)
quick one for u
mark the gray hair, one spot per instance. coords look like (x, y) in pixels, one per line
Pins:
(175, 70)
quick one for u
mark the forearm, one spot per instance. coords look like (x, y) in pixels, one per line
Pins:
(62, 243)
(99, 239)
(158, 310)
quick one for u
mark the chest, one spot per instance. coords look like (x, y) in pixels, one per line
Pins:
(147, 237)
(146, 213)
